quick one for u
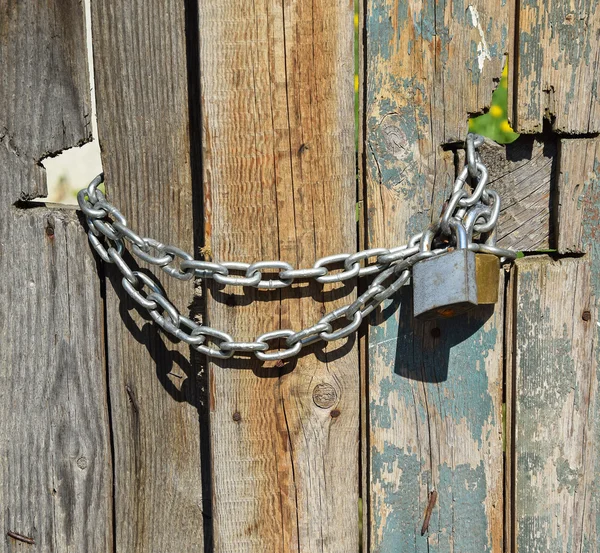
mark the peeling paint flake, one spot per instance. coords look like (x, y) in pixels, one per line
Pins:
(483, 50)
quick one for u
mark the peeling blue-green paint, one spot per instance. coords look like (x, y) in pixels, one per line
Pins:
(591, 244)
(459, 11)
(472, 64)
(550, 496)
(560, 35)
(401, 499)
(406, 362)
(452, 372)
(567, 477)
(424, 22)
(539, 525)
(458, 520)
(462, 493)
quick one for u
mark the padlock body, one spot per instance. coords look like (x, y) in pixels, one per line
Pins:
(487, 270)
(444, 285)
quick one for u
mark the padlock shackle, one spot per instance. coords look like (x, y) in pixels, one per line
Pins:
(462, 240)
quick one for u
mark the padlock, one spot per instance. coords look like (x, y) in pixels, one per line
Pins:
(445, 285)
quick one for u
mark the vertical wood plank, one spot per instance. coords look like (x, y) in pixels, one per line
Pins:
(555, 435)
(277, 85)
(436, 424)
(44, 90)
(55, 457)
(140, 56)
(578, 179)
(557, 59)
(435, 399)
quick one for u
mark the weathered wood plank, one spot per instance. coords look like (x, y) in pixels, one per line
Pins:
(578, 179)
(557, 66)
(44, 90)
(143, 124)
(523, 173)
(436, 424)
(55, 468)
(430, 65)
(509, 415)
(555, 437)
(279, 173)
(55, 457)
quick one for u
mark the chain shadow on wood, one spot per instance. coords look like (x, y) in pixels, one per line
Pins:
(193, 387)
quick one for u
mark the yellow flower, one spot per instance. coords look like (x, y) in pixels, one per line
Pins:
(355, 83)
(505, 126)
(496, 111)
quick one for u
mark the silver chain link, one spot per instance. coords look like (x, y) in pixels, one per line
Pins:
(473, 207)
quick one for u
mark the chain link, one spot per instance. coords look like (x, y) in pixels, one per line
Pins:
(469, 216)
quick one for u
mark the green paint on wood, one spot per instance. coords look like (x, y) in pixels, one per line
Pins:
(445, 375)
(591, 244)
(553, 355)
(435, 402)
(558, 53)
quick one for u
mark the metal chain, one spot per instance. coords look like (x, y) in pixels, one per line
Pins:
(475, 208)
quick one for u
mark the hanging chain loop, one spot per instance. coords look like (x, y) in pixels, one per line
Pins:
(471, 207)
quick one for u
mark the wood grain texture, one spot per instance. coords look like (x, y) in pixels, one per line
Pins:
(523, 173)
(435, 400)
(44, 90)
(143, 122)
(55, 458)
(578, 189)
(279, 169)
(557, 66)
(556, 506)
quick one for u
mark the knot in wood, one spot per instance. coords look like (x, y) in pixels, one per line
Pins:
(586, 315)
(324, 395)
(82, 463)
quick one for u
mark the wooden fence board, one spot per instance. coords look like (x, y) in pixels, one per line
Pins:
(44, 90)
(577, 192)
(435, 399)
(55, 457)
(555, 435)
(140, 54)
(279, 159)
(436, 424)
(557, 72)
(55, 465)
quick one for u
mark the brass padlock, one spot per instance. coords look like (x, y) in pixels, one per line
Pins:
(445, 285)
(452, 283)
